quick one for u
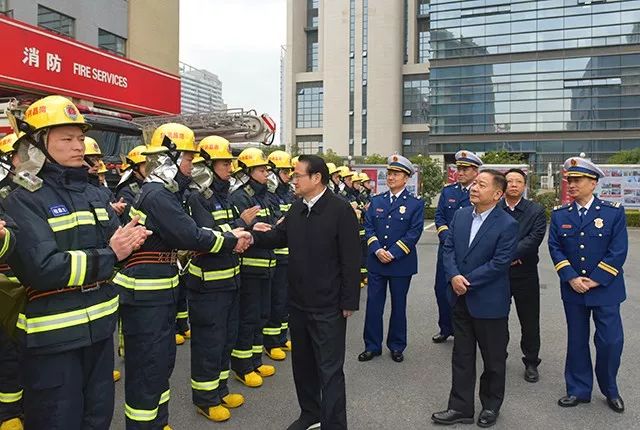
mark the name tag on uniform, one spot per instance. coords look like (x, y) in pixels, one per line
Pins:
(59, 210)
(452, 200)
(567, 226)
(379, 210)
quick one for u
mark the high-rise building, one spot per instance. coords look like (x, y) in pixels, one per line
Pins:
(357, 76)
(201, 90)
(548, 79)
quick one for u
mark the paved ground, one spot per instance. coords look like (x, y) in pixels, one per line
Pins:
(385, 395)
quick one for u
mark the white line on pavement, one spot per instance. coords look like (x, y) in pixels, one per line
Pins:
(429, 226)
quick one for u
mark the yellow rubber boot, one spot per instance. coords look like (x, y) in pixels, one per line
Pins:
(179, 339)
(187, 334)
(265, 370)
(276, 354)
(116, 375)
(166, 428)
(252, 379)
(287, 346)
(215, 413)
(232, 400)
(12, 424)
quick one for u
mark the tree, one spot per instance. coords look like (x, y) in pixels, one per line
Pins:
(502, 157)
(375, 159)
(431, 177)
(626, 157)
(330, 156)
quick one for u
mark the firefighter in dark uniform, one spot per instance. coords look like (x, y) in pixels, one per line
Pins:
(275, 331)
(93, 160)
(65, 254)
(256, 271)
(362, 205)
(453, 197)
(10, 384)
(132, 179)
(334, 176)
(213, 285)
(588, 244)
(149, 278)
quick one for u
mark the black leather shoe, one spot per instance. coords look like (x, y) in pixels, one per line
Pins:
(531, 373)
(304, 424)
(571, 401)
(616, 404)
(397, 356)
(367, 355)
(487, 418)
(451, 416)
(440, 338)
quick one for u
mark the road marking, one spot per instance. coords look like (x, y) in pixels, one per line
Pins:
(429, 226)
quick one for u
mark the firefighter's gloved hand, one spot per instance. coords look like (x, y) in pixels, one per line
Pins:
(128, 238)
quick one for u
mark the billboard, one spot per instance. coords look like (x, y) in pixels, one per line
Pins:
(378, 174)
(620, 184)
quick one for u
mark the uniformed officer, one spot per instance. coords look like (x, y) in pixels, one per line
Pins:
(453, 197)
(65, 254)
(393, 223)
(588, 245)
(256, 271)
(149, 278)
(275, 331)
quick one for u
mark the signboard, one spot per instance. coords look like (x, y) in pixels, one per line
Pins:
(378, 174)
(620, 184)
(33, 58)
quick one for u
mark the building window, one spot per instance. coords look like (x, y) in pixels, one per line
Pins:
(415, 99)
(414, 144)
(312, 14)
(423, 50)
(112, 42)
(56, 21)
(310, 96)
(309, 144)
(312, 51)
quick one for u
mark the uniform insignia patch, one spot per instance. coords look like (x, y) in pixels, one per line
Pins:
(598, 222)
(403, 209)
(452, 200)
(58, 210)
(567, 226)
(379, 210)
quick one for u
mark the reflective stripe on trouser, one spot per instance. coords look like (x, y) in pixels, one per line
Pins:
(265, 314)
(214, 327)
(273, 328)
(10, 383)
(249, 327)
(71, 390)
(182, 315)
(149, 337)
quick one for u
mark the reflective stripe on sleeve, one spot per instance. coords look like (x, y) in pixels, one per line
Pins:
(5, 243)
(222, 214)
(78, 269)
(10, 397)
(101, 214)
(143, 217)
(281, 251)
(70, 221)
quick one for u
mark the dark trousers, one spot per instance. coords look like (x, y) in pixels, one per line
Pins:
(609, 341)
(182, 309)
(526, 295)
(317, 360)
(71, 390)
(492, 337)
(149, 339)
(10, 383)
(373, 324)
(444, 307)
(278, 319)
(214, 328)
(252, 317)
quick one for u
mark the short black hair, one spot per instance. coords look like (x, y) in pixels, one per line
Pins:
(518, 171)
(499, 181)
(316, 164)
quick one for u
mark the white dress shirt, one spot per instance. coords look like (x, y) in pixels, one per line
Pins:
(478, 220)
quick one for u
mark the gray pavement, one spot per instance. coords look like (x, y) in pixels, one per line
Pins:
(382, 394)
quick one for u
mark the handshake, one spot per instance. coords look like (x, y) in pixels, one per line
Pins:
(245, 239)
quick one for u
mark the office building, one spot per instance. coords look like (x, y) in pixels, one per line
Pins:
(201, 90)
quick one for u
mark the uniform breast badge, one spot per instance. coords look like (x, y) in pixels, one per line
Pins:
(598, 222)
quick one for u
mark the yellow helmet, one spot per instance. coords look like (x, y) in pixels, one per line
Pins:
(236, 167)
(8, 143)
(52, 111)
(216, 148)
(332, 168)
(135, 156)
(281, 160)
(198, 159)
(102, 168)
(252, 157)
(364, 177)
(91, 147)
(180, 135)
(294, 161)
(356, 177)
(344, 171)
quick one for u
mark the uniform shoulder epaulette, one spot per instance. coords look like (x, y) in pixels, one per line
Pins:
(610, 204)
(449, 185)
(556, 208)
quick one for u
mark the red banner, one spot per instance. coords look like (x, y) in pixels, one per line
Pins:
(37, 59)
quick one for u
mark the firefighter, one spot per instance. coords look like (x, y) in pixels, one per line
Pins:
(334, 174)
(132, 178)
(256, 271)
(213, 285)
(361, 207)
(275, 331)
(148, 281)
(65, 256)
(365, 191)
(346, 190)
(94, 163)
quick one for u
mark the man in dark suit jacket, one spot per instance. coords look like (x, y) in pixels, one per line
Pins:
(477, 255)
(321, 231)
(525, 283)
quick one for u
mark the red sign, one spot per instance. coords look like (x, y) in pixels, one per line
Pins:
(37, 59)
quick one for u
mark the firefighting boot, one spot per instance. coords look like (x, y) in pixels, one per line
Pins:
(12, 424)
(265, 370)
(187, 334)
(166, 428)
(179, 339)
(232, 400)
(276, 354)
(287, 346)
(215, 413)
(252, 379)
(116, 375)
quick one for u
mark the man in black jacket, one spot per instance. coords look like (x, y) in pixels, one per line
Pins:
(321, 231)
(525, 284)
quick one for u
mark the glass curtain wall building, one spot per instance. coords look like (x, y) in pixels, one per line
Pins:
(548, 79)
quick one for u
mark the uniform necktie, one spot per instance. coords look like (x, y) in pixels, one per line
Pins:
(582, 211)
(393, 199)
